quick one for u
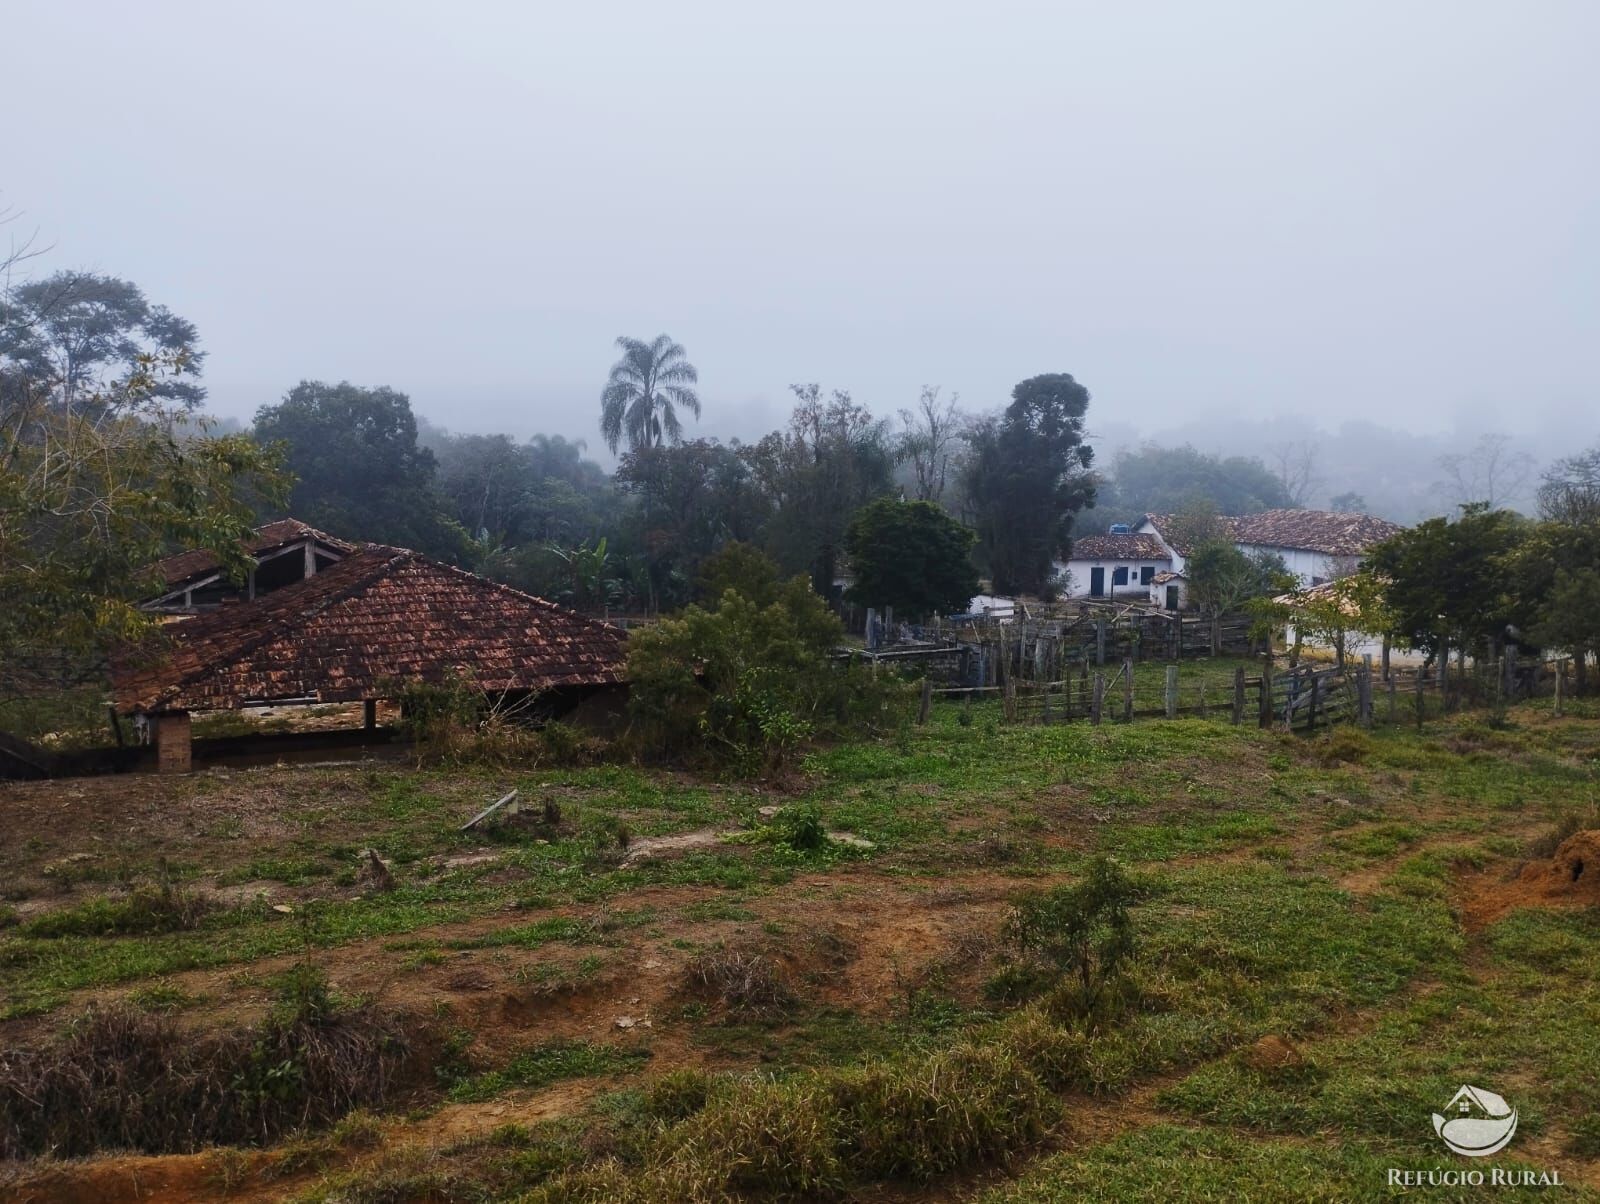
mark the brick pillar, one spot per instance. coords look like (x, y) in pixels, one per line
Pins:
(172, 740)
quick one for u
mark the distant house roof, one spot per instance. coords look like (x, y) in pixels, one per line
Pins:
(1117, 547)
(1166, 575)
(186, 566)
(1313, 530)
(379, 616)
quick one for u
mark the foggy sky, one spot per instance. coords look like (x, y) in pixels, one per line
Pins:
(1210, 213)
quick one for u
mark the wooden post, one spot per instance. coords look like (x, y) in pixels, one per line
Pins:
(1419, 700)
(927, 701)
(1010, 696)
(1561, 682)
(1364, 692)
(1127, 690)
(1216, 634)
(1266, 688)
(1238, 695)
(1100, 641)
(1044, 708)
(1316, 692)
(1172, 691)
(1394, 701)
(1203, 711)
(1385, 658)
(369, 714)
(1098, 703)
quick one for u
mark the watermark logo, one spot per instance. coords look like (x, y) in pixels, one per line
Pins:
(1476, 1123)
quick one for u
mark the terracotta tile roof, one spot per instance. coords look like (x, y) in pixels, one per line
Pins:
(380, 615)
(1117, 547)
(185, 566)
(1166, 575)
(1314, 530)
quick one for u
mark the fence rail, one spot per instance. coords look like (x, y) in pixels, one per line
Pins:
(1297, 698)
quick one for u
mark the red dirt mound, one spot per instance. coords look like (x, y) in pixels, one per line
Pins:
(1571, 878)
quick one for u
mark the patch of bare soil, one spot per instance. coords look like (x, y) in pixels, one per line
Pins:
(1571, 878)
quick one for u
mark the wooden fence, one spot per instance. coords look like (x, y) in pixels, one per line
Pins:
(1048, 650)
(1296, 698)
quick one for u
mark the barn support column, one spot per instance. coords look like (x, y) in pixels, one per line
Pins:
(173, 741)
(369, 714)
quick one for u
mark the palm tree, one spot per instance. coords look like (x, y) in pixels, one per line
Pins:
(647, 386)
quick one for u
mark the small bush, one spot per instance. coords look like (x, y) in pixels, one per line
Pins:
(1345, 744)
(1083, 931)
(768, 1138)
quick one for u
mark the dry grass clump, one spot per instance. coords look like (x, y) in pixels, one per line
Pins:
(119, 1078)
(747, 981)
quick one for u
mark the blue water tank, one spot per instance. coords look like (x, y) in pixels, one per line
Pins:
(1121, 529)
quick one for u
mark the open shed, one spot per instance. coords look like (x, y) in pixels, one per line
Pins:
(377, 618)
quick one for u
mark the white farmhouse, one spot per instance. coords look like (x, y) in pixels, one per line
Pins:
(1119, 564)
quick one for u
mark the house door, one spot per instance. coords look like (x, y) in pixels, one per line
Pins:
(1097, 583)
(1172, 597)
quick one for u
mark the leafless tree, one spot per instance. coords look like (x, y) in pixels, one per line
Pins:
(929, 439)
(1295, 464)
(1493, 471)
(1569, 491)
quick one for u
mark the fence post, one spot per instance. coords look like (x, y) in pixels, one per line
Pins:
(1316, 692)
(1099, 698)
(1044, 705)
(1172, 691)
(1127, 690)
(1364, 696)
(927, 701)
(1010, 703)
(1419, 700)
(1561, 683)
(1394, 701)
(1238, 695)
(1266, 688)
(1216, 634)
(1100, 641)
(1385, 658)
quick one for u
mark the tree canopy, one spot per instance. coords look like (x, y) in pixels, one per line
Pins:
(358, 469)
(911, 556)
(1027, 476)
(1161, 480)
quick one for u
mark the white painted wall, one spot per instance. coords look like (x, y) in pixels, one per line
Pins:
(1079, 574)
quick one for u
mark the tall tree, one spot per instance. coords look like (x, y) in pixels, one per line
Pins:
(929, 438)
(1027, 478)
(80, 335)
(1494, 471)
(641, 399)
(833, 459)
(911, 556)
(360, 473)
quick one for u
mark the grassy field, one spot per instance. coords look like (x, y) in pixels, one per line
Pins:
(649, 986)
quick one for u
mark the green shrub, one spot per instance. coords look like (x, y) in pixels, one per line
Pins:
(748, 683)
(1083, 932)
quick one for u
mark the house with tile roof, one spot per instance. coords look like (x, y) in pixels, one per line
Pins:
(359, 630)
(1118, 564)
